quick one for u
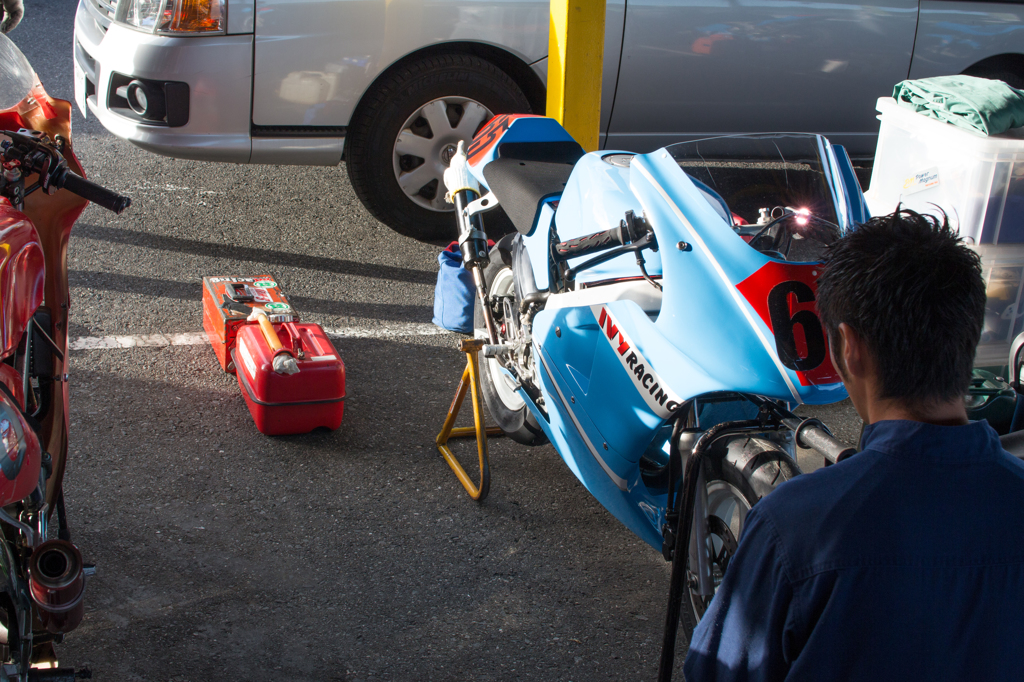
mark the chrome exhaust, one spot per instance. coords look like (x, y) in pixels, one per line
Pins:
(57, 584)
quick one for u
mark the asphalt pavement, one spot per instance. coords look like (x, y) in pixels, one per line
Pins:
(223, 554)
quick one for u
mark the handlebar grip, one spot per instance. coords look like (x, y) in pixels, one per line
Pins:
(99, 195)
(591, 243)
(812, 434)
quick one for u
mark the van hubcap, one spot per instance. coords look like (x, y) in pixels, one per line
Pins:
(427, 142)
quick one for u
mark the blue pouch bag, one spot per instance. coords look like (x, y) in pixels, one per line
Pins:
(454, 294)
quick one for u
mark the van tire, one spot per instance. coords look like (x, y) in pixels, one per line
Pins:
(370, 148)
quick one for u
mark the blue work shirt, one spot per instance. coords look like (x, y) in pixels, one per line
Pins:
(902, 562)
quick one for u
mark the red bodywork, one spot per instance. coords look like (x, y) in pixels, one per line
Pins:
(53, 216)
(20, 454)
(22, 275)
(283, 404)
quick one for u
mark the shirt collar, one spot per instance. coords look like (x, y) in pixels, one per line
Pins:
(904, 438)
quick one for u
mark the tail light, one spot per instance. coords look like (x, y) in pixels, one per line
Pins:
(57, 583)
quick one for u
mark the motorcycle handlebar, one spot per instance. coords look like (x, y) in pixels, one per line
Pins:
(811, 433)
(99, 195)
(591, 243)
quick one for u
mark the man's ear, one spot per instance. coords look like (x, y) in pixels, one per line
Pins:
(853, 351)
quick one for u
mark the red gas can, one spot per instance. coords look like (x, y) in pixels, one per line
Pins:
(283, 404)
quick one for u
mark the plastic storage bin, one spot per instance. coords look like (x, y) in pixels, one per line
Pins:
(924, 163)
(1003, 269)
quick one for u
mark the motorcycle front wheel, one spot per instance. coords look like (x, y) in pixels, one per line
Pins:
(737, 476)
(507, 408)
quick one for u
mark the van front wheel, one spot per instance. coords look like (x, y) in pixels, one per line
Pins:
(406, 130)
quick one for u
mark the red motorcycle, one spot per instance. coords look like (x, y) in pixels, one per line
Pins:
(43, 190)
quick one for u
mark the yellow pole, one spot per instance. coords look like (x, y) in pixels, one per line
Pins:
(575, 61)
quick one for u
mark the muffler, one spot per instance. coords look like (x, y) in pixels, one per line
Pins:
(57, 584)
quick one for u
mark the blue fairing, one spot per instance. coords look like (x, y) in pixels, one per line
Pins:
(703, 311)
(612, 373)
(696, 346)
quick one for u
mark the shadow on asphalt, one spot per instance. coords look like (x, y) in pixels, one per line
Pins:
(192, 291)
(235, 253)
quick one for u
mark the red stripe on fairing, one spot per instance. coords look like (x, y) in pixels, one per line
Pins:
(490, 134)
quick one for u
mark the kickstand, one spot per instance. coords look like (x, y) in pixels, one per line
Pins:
(470, 380)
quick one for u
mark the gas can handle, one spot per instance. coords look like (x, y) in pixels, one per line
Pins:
(284, 359)
(295, 335)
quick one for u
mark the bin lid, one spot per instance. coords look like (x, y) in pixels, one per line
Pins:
(892, 113)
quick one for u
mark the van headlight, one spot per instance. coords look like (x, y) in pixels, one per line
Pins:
(173, 17)
(141, 13)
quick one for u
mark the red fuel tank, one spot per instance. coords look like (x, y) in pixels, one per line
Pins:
(283, 404)
(21, 275)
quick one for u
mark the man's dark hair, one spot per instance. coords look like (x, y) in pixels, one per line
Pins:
(913, 291)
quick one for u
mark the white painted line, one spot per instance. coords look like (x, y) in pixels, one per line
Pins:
(200, 338)
(390, 332)
(138, 341)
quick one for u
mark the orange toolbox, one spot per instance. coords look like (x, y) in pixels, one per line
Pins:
(281, 400)
(227, 304)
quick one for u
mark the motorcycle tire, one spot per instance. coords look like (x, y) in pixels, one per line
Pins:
(460, 86)
(507, 409)
(737, 476)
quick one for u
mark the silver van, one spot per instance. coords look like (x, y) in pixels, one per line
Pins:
(391, 85)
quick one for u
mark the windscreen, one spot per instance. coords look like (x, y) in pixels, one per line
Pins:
(16, 74)
(775, 187)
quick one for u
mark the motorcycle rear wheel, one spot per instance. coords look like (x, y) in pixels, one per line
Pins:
(507, 408)
(743, 472)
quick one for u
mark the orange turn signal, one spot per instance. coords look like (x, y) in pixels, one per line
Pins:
(193, 16)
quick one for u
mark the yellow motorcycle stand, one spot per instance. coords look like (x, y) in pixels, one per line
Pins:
(470, 380)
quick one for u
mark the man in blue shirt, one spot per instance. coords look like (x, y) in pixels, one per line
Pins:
(906, 560)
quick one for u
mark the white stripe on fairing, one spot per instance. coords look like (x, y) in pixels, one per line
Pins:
(200, 338)
(728, 285)
(616, 479)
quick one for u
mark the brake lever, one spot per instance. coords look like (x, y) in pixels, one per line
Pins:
(35, 153)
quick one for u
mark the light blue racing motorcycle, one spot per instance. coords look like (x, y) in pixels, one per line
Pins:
(653, 317)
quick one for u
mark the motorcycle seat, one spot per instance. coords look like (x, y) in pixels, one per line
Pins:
(524, 174)
(1013, 443)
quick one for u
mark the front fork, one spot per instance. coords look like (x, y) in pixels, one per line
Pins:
(475, 256)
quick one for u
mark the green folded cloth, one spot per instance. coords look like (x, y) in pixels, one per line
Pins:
(987, 106)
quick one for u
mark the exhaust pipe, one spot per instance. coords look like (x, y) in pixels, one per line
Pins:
(57, 584)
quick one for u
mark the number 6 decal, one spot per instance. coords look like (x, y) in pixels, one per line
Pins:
(784, 327)
(783, 295)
